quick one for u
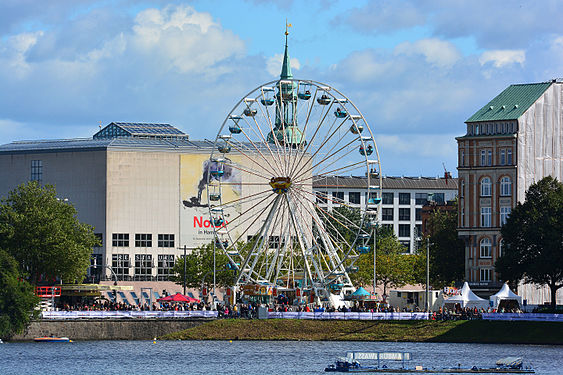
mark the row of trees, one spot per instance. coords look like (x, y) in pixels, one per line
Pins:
(41, 240)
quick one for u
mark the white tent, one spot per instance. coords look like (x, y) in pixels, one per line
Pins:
(505, 293)
(466, 298)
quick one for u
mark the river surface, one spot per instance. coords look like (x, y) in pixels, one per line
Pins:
(246, 357)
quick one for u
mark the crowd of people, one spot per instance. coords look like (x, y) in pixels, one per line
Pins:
(104, 305)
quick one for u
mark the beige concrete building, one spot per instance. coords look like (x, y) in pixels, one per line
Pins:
(513, 141)
(126, 182)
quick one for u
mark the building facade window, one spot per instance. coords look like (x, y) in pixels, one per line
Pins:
(485, 217)
(321, 196)
(120, 264)
(165, 240)
(143, 266)
(100, 238)
(418, 230)
(387, 227)
(338, 196)
(462, 157)
(504, 213)
(485, 248)
(165, 266)
(274, 242)
(120, 239)
(509, 156)
(486, 187)
(461, 188)
(505, 186)
(37, 170)
(404, 198)
(485, 274)
(143, 240)
(483, 158)
(418, 214)
(502, 157)
(489, 157)
(387, 214)
(437, 198)
(500, 248)
(404, 214)
(406, 245)
(420, 198)
(404, 230)
(387, 198)
(354, 197)
(462, 221)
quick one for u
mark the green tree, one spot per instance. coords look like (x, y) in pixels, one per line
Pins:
(393, 267)
(447, 251)
(533, 238)
(199, 267)
(17, 300)
(44, 235)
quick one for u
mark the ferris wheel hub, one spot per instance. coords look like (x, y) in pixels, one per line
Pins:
(280, 185)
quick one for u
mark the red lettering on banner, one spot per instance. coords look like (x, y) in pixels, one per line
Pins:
(199, 222)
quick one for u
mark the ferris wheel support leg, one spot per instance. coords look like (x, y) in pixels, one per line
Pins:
(259, 242)
(306, 259)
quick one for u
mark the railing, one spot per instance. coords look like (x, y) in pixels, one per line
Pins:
(62, 315)
(349, 315)
(536, 317)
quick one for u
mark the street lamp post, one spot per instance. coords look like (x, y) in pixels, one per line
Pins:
(184, 269)
(374, 257)
(427, 272)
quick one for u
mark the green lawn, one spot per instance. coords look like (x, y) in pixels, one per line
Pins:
(355, 330)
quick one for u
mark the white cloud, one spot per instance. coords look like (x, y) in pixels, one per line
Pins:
(439, 53)
(501, 58)
(274, 64)
(14, 50)
(181, 38)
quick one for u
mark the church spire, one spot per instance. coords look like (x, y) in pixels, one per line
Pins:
(286, 66)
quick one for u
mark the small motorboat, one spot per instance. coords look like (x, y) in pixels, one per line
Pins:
(51, 339)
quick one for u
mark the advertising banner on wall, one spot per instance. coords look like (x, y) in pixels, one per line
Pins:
(195, 226)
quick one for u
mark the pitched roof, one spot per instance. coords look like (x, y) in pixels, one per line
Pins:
(138, 129)
(410, 183)
(511, 103)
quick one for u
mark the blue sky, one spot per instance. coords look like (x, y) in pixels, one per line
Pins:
(416, 69)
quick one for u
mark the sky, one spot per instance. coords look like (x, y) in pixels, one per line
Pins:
(415, 69)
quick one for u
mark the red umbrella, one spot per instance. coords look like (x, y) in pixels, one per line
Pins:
(178, 297)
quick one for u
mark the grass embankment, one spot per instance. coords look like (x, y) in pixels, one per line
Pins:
(477, 331)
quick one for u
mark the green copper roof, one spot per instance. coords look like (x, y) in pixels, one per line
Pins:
(511, 103)
(286, 67)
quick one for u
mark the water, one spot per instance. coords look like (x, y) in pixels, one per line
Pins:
(245, 357)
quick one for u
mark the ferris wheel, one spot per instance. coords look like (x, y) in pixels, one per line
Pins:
(273, 190)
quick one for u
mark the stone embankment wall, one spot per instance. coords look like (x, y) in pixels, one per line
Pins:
(138, 329)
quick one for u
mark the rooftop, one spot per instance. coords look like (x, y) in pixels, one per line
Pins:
(511, 103)
(407, 183)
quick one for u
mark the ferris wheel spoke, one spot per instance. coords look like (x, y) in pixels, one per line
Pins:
(264, 138)
(304, 245)
(240, 200)
(256, 149)
(240, 218)
(335, 153)
(333, 245)
(260, 239)
(247, 170)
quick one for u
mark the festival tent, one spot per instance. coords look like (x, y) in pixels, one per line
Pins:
(467, 298)
(505, 293)
(178, 297)
(360, 293)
